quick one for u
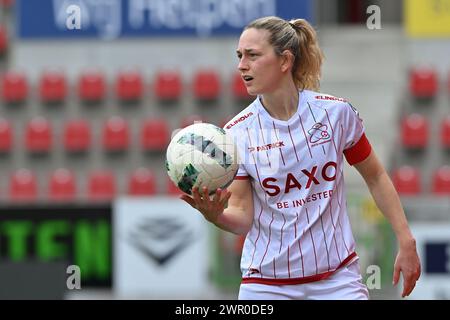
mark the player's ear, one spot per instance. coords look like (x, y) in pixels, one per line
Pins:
(287, 60)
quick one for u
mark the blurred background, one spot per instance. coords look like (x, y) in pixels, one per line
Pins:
(91, 91)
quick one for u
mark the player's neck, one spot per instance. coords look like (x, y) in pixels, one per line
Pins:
(281, 104)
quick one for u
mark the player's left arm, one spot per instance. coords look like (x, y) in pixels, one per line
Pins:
(387, 200)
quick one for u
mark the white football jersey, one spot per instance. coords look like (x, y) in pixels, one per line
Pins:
(301, 231)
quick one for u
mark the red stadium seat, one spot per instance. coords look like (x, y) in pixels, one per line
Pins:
(62, 185)
(52, 87)
(206, 85)
(238, 87)
(441, 181)
(7, 3)
(407, 180)
(423, 83)
(115, 134)
(14, 87)
(445, 133)
(77, 136)
(91, 86)
(5, 135)
(142, 182)
(101, 185)
(191, 119)
(168, 85)
(172, 189)
(155, 134)
(414, 131)
(3, 39)
(129, 86)
(23, 186)
(38, 135)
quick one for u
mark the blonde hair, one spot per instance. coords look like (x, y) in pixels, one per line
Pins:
(299, 37)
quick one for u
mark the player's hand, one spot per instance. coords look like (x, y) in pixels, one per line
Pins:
(210, 208)
(408, 263)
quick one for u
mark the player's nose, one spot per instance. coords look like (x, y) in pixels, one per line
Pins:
(242, 65)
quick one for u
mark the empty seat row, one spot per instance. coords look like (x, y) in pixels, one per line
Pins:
(408, 181)
(128, 86)
(100, 185)
(77, 135)
(424, 82)
(415, 132)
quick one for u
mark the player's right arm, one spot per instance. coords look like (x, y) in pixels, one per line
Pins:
(230, 209)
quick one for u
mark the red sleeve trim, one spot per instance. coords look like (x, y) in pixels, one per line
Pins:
(358, 152)
(241, 178)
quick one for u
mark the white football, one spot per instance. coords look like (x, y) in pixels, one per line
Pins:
(202, 155)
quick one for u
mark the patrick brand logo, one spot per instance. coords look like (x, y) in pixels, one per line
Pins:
(319, 134)
(274, 145)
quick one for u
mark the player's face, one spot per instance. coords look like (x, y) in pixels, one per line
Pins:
(259, 66)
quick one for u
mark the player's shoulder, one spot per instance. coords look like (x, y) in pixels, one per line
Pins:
(243, 118)
(324, 100)
(335, 106)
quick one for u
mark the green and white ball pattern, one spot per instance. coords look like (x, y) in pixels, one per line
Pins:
(202, 155)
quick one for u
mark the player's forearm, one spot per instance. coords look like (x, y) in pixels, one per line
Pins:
(234, 220)
(388, 202)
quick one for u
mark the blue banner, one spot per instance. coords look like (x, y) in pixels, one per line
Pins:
(111, 19)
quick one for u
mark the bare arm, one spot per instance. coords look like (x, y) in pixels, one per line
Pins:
(230, 210)
(387, 200)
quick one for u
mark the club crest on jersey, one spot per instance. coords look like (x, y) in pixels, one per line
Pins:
(319, 133)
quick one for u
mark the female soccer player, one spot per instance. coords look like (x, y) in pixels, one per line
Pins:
(288, 196)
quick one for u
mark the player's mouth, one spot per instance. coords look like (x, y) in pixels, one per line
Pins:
(247, 79)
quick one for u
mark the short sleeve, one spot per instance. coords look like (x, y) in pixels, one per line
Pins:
(242, 173)
(356, 146)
